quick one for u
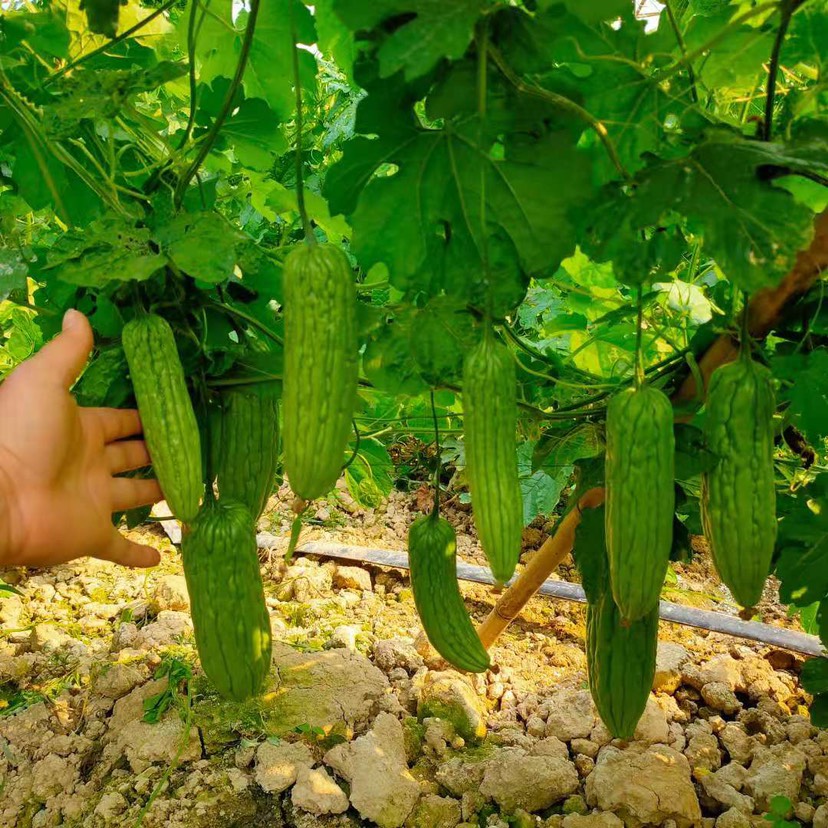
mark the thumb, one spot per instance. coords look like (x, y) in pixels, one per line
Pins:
(63, 358)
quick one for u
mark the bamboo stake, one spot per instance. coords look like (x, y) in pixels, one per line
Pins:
(555, 548)
(765, 309)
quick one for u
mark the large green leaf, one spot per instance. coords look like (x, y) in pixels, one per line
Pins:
(201, 245)
(421, 32)
(808, 395)
(802, 566)
(269, 72)
(110, 249)
(725, 190)
(423, 218)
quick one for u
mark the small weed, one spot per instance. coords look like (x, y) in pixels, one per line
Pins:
(8, 589)
(300, 615)
(310, 733)
(780, 808)
(178, 673)
(13, 700)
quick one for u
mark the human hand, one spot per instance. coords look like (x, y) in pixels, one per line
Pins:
(57, 461)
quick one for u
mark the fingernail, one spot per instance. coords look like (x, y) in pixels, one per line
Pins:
(71, 319)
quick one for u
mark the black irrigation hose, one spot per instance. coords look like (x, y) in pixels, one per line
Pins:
(797, 642)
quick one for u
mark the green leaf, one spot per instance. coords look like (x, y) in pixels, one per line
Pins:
(814, 675)
(370, 477)
(202, 245)
(541, 493)
(802, 566)
(283, 201)
(109, 249)
(808, 395)
(692, 455)
(441, 333)
(423, 219)
(335, 40)
(44, 31)
(388, 362)
(13, 272)
(681, 548)
(104, 381)
(45, 183)
(559, 450)
(254, 131)
(97, 94)
(819, 710)
(752, 228)
(807, 40)
(420, 32)
(736, 59)
(606, 70)
(269, 72)
(598, 11)
(102, 15)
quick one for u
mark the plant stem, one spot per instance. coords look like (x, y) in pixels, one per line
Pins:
(787, 10)
(227, 104)
(639, 357)
(744, 344)
(564, 103)
(674, 24)
(251, 320)
(35, 308)
(185, 739)
(297, 87)
(191, 71)
(482, 67)
(437, 463)
(355, 452)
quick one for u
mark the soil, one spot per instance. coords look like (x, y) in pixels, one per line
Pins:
(75, 623)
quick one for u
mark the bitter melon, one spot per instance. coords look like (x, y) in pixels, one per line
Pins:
(232, 626)
(245, 435)
(621, 664)
(169, 422)
(321, 366)
(432, 548)
(490, 427)
(640, 496)
(738, 493)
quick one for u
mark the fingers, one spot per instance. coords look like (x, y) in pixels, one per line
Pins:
(128, 553)
(115, 423)
(126, 455)
(63, 358)
(131, 492)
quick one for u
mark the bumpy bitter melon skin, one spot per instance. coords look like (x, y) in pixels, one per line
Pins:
(227, 603)
(639, 471)
(169, 422)
(246, 444)
(321, 366)
(621, 664)
(432, 553)
(738, 493)
(490, 427)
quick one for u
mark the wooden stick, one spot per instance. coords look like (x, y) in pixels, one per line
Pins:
(555, 548)
(765, 309)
